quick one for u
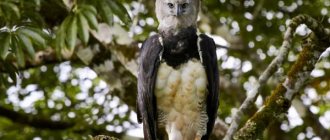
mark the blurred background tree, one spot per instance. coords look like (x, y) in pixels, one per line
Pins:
(68, 67)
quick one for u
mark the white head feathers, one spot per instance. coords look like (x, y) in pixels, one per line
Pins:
(176, 14)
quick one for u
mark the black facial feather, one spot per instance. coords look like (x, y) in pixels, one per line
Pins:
(181, 47)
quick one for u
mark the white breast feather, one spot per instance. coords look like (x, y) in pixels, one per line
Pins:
(181, 95)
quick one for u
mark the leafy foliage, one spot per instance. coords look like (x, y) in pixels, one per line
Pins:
(21, 40)
(24, 32)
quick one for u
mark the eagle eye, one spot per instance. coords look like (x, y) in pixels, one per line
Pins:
(184, 5)
(171, 5)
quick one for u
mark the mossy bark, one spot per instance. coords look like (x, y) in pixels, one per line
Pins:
(278, 103)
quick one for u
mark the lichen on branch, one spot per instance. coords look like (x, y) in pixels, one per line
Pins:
(270, 70)
(280, 100)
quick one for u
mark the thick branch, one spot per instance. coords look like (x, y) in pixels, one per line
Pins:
(34, 120)
(275, 64)
(280, 100)
(253, 94)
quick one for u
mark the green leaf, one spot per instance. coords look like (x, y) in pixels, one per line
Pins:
(106, 12)
(88, 8)
(60, 40)
(83, 28)
(11, 7)
(91, 18)
(40, 32)
(35, 37)
(18, 52)
(4, 50)
(26, 42)
(119, 10)
(72, 33)
(61, 34)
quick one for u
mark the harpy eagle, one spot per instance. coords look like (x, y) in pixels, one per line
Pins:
(178, 82)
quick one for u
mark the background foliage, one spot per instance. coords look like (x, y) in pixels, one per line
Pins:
(67, 68)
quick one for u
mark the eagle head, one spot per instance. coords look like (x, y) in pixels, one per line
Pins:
(174, 15)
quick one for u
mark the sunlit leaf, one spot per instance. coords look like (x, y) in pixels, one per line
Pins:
(25, 42)
(34, 36)
(61, 34)
(88, 8)
(83, 28)
(40, 32)
(91, 18)
(72, 33)
(120, 11)
(106, 12)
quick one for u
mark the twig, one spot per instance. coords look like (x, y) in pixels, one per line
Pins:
(257, 10)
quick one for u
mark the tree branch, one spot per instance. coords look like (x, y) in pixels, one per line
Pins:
(257, 10)
(280, 100)
(34, 120)
(39, 122)
(253, 94)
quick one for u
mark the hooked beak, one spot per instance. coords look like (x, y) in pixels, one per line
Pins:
(179, 11)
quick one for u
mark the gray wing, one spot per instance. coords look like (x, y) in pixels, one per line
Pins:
(212, 72)
(146, 101)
